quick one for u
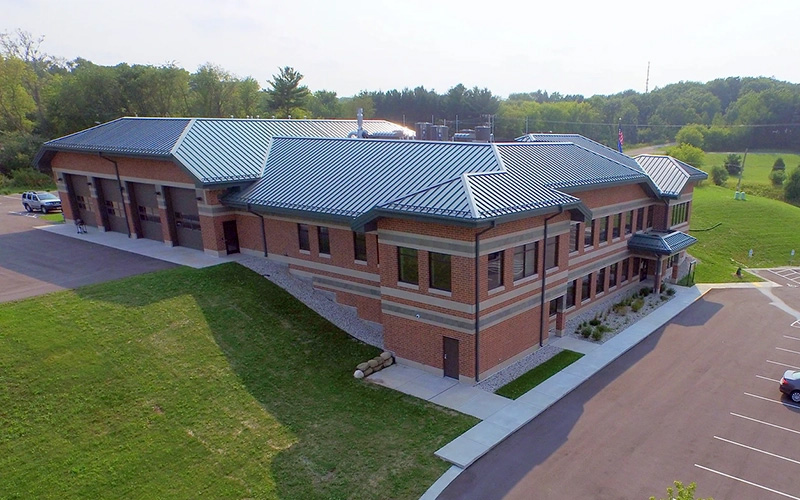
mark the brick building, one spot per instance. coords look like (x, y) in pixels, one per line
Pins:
(449, 246)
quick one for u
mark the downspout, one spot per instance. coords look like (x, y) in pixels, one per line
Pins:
(263, 231)
(544, 275)
(121, 192)
(478, 298)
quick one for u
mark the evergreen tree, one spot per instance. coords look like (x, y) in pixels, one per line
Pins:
(286, 93)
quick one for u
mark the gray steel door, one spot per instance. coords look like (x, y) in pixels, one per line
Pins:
(112, 206)
(146, 209)
(81, 199)
(450, 358)
(185, 218)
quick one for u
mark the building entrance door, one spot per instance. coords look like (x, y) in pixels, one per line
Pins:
(450, 358)
(231, 236)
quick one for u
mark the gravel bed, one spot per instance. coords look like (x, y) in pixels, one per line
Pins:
(322, 303)
(517, 369)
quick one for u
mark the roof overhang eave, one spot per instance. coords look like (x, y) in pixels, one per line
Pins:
(290, 212)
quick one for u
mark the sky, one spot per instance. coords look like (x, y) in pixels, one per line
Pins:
(577, 47)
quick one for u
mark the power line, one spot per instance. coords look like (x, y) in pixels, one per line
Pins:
(639, 125)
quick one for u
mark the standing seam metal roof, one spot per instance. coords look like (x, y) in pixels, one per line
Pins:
(669, 174)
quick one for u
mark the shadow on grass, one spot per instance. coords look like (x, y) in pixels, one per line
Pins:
(348, 438)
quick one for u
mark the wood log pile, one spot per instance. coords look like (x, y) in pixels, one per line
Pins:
(375, 364)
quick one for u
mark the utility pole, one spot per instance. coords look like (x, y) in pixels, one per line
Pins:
(741, 171)
(647, 81)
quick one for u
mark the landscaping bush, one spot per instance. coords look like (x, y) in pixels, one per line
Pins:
(645, 291)
(669, 291)
(777, 177)
(597, 335)
(791, 188)
(620, 309)
(733, 164)
(719, 175)
(637, 304)
(586, 332)
(594, 321)
(779, 164)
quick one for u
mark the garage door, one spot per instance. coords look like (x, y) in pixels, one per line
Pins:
(185, 217)
(81, 199)
(146, 208)
(114, 210)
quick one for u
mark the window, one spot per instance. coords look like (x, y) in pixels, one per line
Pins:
(612, 275)
(439, 265)
(586, 287)
(83, 204)
(187, 221)
(302, 237)
(525, 259)
(624, 276)
(680, 213)
(115, 209)
(324, 240)
(588, 234)
(553, 307)
(616, 225)
(650, 216)
(640, 219)
(628, 222)
(360, 246)
(551, 251)
(573, 237)
(495, 270)
(603, 229)
(600, 284)
(149, 214)
(407, 265)
(571, 290)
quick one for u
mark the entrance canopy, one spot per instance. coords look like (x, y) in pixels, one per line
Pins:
(660, 242)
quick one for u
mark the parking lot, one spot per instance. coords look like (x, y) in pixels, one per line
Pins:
(34, 262)
(696, 401)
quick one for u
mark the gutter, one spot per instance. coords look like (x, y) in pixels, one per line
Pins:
(544, 276)
(121, 192)
(478, 299)
(263, 231)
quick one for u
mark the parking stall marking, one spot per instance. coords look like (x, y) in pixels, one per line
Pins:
(758, 450)
(789, 336)
(788, 405)
(747, 482)
(765, 423)
(768, 379)
(787, 350)
(783, 364)
(796, 324)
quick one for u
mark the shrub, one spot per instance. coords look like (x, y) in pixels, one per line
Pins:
(645, 291)
(597, 335)
(586, 331)
(670, 291)
(594, 321)
(733, 164)
(791, 188)
(719, 175)
(621, 309)
(636, 305)
(777, 177)
(604, 328)
(779, 164)
(28, 178)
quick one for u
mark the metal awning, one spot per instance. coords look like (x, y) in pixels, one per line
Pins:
(661, 242)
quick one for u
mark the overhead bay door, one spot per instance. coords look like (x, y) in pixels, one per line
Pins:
(183, 204)
(81, 199)
(146, 208)
(114, 209)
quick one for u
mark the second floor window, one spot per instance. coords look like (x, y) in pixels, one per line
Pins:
(324, 240)
(407, 265)
(302, 237)
(588, 234)
(495, 270)
(440, 271)
(551, 259)
(525, 258)
(574, 243)
(628, 222)
(360, 246)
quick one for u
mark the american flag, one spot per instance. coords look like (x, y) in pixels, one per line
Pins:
(620, 139)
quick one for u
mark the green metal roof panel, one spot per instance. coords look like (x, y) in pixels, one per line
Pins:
(585, 143)
(661, 243)
(668, 174)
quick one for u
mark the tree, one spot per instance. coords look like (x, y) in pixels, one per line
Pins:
(324, 104)
(777, 177)
(681, 492)
(247, 95)
(15, 101)
(214, 90)
(733, 164)
(286, 93)
(719, 175)
(779, 164)
(691, 134)
(687, 154)
(791, 188)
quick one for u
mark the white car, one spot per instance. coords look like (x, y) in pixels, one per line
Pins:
(40, 201)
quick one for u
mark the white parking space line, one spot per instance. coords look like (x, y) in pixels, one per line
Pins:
(796, 324)
(770, 379)
(765, 423)
(758, 450)
(787, 350)
(789, 336)
(747, 482)
(783, 364)
(788, 405)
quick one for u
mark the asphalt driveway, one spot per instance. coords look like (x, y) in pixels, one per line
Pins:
(698, 400)
(35, 262)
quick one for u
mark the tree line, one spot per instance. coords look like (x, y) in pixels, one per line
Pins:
(43, 97)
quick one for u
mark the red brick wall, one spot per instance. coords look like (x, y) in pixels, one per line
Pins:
(424, 343)
(157, 170)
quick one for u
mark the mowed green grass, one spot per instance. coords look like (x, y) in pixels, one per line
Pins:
(208, 383)
(539, 374)
(768, 227)
(757, 167)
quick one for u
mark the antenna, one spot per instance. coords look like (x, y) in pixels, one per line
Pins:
(647, 81)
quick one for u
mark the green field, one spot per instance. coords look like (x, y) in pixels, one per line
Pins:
(767, 226)
(208, 383)
(755, 177)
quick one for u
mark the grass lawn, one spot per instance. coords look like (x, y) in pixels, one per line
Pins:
(54, 218)
(539, 374)
(207, 383)
(755, 178)
(767, 226)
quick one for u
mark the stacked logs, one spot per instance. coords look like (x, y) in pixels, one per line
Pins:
(375, 364)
